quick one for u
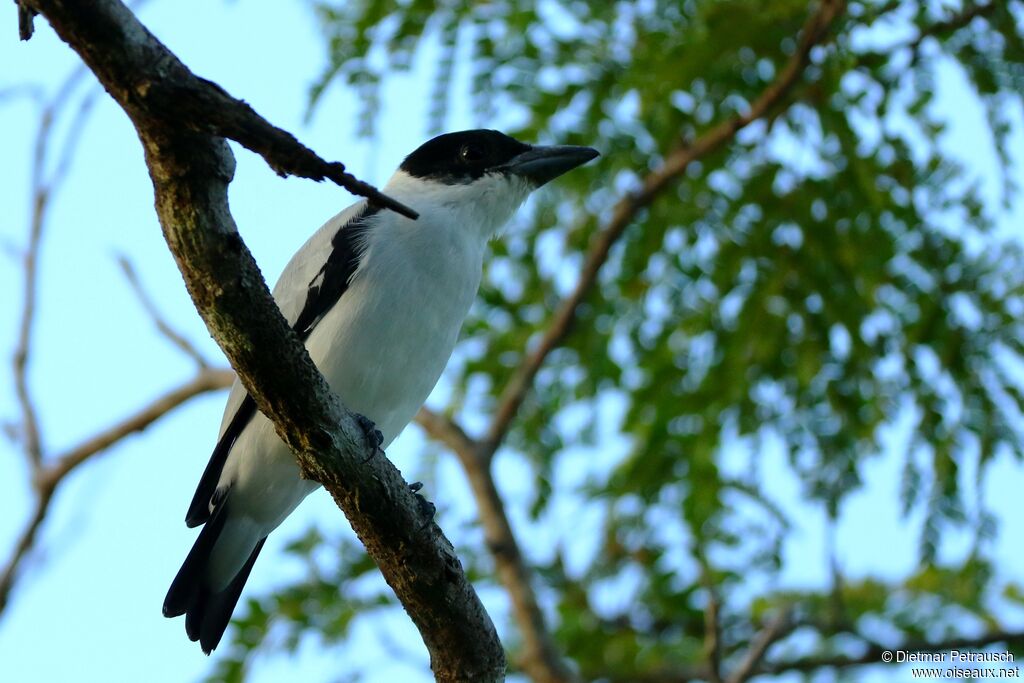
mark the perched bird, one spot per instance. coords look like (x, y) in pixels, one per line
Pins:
(378, 300)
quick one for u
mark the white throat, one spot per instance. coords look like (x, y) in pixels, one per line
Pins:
(481, 207)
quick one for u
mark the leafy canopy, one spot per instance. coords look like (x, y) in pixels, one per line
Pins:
(830, 277)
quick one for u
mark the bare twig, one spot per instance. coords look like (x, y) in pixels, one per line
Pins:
(45, 477)
(25, 543)
(173, 336)
(48, 478)
(206, 380)
(43, 188)
(29, 432)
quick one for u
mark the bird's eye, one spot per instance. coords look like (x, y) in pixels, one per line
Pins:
(471, 153)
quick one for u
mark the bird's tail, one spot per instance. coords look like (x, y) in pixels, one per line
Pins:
(206, 603)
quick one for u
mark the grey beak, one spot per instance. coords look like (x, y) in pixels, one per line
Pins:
(543, 164)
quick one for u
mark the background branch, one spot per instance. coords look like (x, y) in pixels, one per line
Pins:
(175, 338)
(183, 100)
(872, 655)
(47, 472)
(540, 657)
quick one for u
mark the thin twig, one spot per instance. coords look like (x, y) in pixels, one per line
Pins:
(173, 336)
(42, 190)
(26, 541)
(48, 478)
(44, 185)
(206, 380)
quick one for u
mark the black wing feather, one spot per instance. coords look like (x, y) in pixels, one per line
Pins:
(325, 289)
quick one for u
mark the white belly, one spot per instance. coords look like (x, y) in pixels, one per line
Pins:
(382, 348)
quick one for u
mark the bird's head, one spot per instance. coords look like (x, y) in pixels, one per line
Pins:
(480, 176)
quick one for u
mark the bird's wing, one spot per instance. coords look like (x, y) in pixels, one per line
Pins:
(312, 282)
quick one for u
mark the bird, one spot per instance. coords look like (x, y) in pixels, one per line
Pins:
(379, 300)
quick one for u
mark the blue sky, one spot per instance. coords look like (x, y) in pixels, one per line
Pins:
(88, 608)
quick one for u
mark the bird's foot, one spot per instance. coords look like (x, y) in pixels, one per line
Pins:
(374, 437)
(427, 509)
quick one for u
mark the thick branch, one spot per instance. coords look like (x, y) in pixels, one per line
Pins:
(164, 89)
(190, 169)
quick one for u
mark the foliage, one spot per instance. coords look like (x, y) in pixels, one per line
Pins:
(830, 276)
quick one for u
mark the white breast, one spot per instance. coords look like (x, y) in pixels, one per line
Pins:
(384, 345)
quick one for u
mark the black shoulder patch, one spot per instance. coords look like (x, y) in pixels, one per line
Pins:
(325, 289)
(332, 279)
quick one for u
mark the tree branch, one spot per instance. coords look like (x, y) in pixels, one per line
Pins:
(206, 380)
(172, 335)
(954, 23)
(814, 32)
(540, 658)
(168, 92)
(25, 543)
(872, 655)
(712, 626)
(776, 629)
(178, 123)
(47, 478)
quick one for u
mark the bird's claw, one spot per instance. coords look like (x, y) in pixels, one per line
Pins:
(427, 509)
(374, 437)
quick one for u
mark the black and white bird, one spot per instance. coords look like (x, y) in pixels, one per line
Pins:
(379, 300)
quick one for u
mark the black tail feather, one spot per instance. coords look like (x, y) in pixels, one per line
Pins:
(215, 612)
(206, 613)
(190, 579)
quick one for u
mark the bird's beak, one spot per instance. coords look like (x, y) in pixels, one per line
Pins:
(543, 164)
